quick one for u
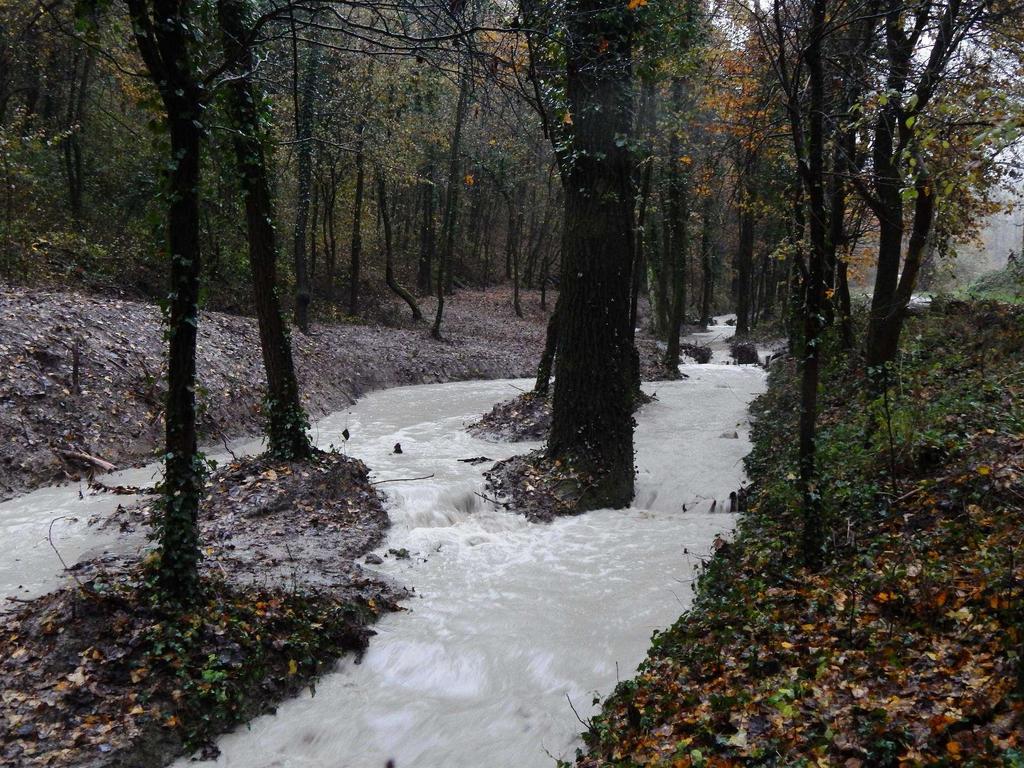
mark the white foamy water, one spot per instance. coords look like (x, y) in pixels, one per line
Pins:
(511, 620)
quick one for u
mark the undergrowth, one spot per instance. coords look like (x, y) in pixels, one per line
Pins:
(905, 648)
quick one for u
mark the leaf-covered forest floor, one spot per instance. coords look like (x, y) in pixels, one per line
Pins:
(905, 648)
(98, 674)
(52, 420)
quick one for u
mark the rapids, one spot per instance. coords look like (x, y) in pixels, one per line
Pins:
(510, 621)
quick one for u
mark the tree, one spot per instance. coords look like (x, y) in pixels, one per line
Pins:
(303, 102)
(389, 269)
(678, 230)
(452, 198)
(592, 423)
(164, 33)
(918, 44)
(799, 64)
(357, 219)
(286, 420)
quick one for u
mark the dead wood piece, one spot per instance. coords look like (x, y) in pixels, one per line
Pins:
(84, 459)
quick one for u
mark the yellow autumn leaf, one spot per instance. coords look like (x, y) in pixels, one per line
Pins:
(634, 4)
(293, 667)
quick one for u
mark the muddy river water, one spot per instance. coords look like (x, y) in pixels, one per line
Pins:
(511, 621)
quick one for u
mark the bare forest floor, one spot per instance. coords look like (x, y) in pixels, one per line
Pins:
(51, 419)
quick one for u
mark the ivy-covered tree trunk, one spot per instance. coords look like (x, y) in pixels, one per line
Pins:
(592, 421)
(285, 418)
(844, 150)
(183, 473)
(162, 34)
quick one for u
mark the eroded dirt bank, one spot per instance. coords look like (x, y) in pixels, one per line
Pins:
(55, 411)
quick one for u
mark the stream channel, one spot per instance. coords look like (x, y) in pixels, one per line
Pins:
(510, 621)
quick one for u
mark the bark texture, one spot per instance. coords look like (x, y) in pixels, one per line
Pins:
(592, 422)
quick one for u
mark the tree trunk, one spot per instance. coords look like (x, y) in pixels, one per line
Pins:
(452, 198)
(74, 165)
(592, 421)
(512, 249)
(638, 258)
(485, 245)
(882, 332)
(183, 473)
(547, 359)
(330, 241)
(884, 341)
(161, 28)
(812, 537)
(706, 260)
(679, 214)
(744, 259)
(544, 265)
(314, 219)
(357, 224)
(657, 287)
(428, 240)
(286, 420)
(304, 116)
(477, 220)
(681, 246)
(845, 146)
(389, 270)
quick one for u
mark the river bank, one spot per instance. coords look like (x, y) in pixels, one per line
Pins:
(905, 648)
(82, 376)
